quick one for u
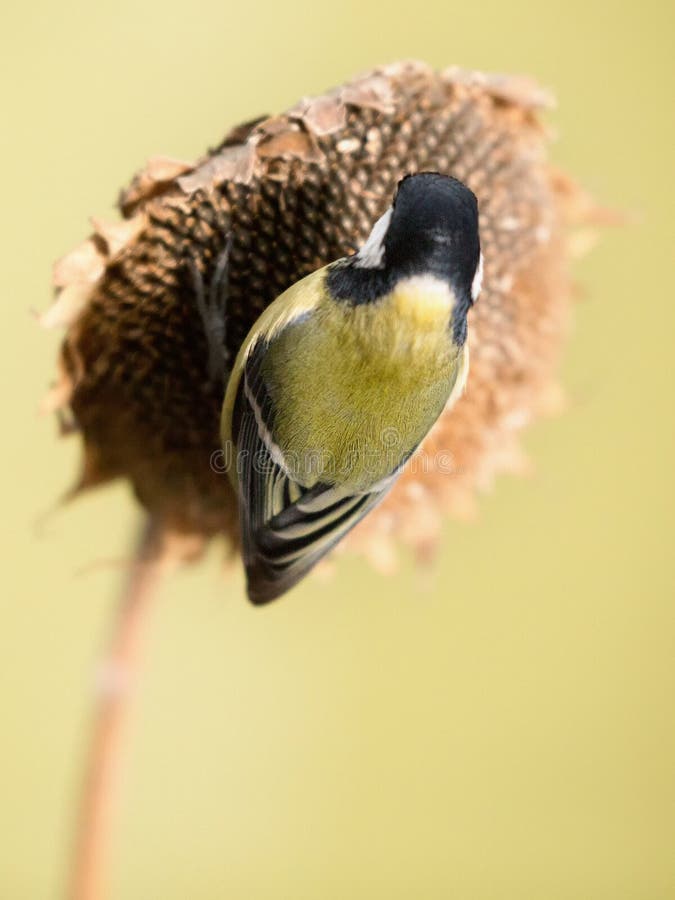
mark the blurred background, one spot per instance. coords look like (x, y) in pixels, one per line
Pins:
(497, 726)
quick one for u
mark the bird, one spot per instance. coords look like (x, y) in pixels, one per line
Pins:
(343, 375)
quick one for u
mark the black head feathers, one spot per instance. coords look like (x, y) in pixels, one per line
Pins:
(430, 229)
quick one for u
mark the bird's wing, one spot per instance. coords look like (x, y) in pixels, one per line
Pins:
(286, 528)
(295, 302)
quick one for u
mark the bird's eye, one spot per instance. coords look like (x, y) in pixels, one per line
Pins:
(477, 282)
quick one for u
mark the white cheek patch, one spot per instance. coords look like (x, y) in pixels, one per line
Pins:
(477, 282)
(371, 255)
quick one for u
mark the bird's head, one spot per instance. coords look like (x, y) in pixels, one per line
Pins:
(431, 229)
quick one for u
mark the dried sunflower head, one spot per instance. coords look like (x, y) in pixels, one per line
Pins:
(296, 191)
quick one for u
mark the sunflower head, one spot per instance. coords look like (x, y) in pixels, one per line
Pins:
(296, 191)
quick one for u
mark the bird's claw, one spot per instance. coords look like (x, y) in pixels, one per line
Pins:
(212, 306)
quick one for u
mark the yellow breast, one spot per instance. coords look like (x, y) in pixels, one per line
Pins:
(425, 300)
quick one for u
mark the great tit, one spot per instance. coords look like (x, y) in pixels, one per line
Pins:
(343, 375)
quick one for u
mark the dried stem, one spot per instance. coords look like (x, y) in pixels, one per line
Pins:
(120, 663)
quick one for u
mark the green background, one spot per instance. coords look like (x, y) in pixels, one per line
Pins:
(498, 726)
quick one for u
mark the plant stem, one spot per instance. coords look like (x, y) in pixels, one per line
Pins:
(116, 682)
